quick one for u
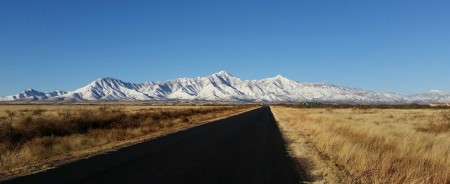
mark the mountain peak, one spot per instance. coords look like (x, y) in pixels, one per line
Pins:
(106, 79)
(29, 90)
(280, 77)
(222, 74)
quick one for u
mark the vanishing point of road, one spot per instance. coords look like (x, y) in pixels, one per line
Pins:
(247, 148)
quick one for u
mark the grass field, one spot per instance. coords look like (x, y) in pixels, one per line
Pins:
(42, 136)
(369, 145)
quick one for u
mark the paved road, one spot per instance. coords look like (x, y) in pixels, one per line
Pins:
(247, 148)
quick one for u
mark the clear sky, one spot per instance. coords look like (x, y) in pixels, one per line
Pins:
(381, 45)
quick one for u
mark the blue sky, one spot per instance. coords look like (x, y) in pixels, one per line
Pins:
(383, 45)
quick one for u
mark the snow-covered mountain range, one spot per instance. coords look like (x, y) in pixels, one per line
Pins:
(31, 94)
(222, 86)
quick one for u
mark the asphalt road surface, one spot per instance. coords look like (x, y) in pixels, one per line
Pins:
(247, 148)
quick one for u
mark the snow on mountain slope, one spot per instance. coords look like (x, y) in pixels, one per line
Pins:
(31, 94)
(432, 96)
(107, 89)
(222, 86)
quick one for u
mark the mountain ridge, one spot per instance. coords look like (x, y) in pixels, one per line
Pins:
(225, 87)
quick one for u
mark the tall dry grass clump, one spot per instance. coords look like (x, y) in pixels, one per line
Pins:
(376, 145)
(33, 137)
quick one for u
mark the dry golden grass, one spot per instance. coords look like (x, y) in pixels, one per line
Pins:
(45, 136)
(371, 145)
(54, 108)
